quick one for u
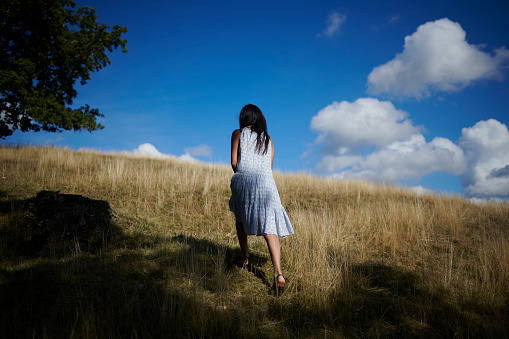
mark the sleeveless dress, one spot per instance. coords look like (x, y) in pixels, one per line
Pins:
(255, 200)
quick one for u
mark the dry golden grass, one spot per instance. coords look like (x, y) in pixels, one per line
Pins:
(366, 260)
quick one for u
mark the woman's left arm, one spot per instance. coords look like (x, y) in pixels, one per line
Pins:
(235, 149)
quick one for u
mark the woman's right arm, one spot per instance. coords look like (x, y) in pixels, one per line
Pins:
(235, 148)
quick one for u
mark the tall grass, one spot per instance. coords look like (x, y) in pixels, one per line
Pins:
(366, 260)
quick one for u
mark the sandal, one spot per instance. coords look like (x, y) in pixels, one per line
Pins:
(280, 289)
(243, 262)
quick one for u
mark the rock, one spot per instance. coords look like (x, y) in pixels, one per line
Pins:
(58, 223)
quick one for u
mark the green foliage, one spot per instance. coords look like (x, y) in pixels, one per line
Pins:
(45, 47)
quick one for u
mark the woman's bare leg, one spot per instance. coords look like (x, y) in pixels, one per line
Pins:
(242, 236)
(275, 254)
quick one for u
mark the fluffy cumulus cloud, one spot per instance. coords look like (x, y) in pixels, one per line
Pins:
(187, 157)
(486, 145)
(189, 153)
(399, 150)
(334, 23)
(372, 139)
(362, 123)
(437, 57)
(150, 150)
(407, 159)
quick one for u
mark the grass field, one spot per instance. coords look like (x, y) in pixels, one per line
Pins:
(366, 260)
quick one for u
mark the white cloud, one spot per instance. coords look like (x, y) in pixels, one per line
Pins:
(362, 123)
(486, 145)
(334, 22)
(200, 150)
(149, 149)
(371, 139)
(187, 157)
(436, 57)
(399, 150)
(407, 159)
(485, 201)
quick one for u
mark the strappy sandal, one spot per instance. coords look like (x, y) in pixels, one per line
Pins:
(278, 288)
(243, 262)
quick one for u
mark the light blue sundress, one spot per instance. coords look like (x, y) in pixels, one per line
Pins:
(255, 200)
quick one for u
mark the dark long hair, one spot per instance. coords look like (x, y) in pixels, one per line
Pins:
(251, 115)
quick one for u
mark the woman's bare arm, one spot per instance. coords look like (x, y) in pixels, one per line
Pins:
(235, 148)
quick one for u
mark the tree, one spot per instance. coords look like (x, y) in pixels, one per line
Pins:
(45, 47)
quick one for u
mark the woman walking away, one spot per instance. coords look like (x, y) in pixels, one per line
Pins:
(255, 200)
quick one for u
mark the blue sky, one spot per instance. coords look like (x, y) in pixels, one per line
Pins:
(415, 93)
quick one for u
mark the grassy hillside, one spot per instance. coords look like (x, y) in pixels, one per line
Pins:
(366, 260)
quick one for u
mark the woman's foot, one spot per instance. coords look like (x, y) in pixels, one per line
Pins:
(279, 284)
(243, 262)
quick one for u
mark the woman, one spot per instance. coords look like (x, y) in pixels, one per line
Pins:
(255, 200)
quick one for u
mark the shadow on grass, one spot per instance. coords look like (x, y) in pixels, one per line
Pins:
(178, 290)
(8, 204)
(384, 301)
(231, 256)
(116, 291)
(130, 294)
(123, 293)
(102, 296)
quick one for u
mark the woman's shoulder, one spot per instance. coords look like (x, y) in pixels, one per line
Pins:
(239, 131)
